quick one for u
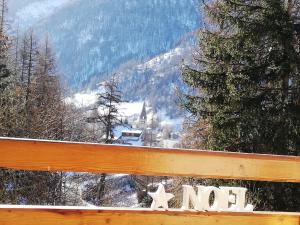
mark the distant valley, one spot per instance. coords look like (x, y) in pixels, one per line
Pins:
(143, 41)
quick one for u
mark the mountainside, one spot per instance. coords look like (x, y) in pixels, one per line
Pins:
(93, 38)
(156, 79)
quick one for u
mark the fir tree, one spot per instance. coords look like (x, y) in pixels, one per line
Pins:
(248, 80)
(106, 113)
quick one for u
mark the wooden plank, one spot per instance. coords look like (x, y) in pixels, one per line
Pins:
(101, 216)
(79, 157)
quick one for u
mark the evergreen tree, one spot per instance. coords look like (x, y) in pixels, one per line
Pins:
(106, 110)
(106, 113)
(248, 80)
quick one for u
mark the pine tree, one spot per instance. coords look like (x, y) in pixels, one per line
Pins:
(106, 113)
(247, 77)
(106, 110)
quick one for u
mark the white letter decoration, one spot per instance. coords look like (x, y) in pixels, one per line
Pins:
(226, 199)
(189, 195)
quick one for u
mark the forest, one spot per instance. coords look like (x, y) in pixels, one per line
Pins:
(32, 100)
(246, 98)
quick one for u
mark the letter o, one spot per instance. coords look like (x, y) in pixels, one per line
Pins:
(217, 200)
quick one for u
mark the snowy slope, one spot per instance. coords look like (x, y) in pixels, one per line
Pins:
(143, 41)
(94, 37)
(157, 79)
(28, 12)
(154, 80)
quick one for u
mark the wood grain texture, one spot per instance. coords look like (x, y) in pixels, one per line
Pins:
(79, 157)
(80, 216)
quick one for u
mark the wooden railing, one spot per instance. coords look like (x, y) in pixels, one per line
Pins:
(78, 157)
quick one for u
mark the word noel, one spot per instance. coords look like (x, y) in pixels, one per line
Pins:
(230, 199)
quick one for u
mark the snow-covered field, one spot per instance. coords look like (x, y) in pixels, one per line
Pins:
(130, 109)
(126, 109)
(83, 99)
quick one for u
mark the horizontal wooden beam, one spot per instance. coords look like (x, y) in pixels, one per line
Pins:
(79, 157)
(18, 215)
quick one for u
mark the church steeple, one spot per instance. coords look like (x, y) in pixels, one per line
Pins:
(143, 116)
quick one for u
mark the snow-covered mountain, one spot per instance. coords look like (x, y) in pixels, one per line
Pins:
(143, 40)
(156, 79)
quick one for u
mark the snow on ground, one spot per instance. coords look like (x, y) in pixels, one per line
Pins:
(170, 143)
(118, 175)
(123, 193)
(130, 109)
(87, 98)
(171, 58)
(126, 109)
(134, 141)
(166, 120)
(83, 99)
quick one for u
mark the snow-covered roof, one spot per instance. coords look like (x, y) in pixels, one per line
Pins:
(117, 130)
(133, 131)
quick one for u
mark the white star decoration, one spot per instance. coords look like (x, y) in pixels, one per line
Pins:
(160, 198)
